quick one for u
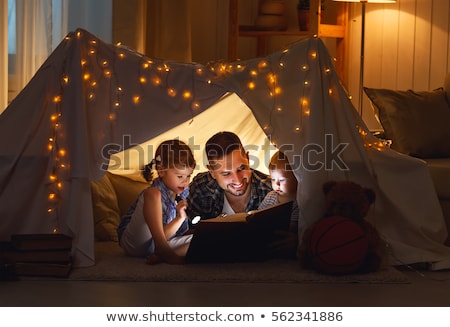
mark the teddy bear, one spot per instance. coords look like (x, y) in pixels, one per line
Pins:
(346, 204)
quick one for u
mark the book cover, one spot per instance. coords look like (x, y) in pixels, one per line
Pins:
(43, 269)
(239, 237)
(35, 242)
(37, 256)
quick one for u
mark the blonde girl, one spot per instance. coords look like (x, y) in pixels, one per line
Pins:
(156, 223)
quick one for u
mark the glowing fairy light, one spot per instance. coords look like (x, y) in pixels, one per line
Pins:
(121, 55)
(107, 73)
(93, 42)
(142, 79)
(156, 80)
(262, 64)
(171, 92)
(195, 105)
(251, 85)
(105, 63)
(53, 117)
(187, 94)
(117, 104)
(253, 73)
(62, 152)
(86, 76)
(57, 99)
(53, 178)
(306, 83)
(271, 78)
(65, 79)
(136, 99)
(78, 34)
(314, 55)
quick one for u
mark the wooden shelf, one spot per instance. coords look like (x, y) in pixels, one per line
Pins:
(337, 31)
(253, 31)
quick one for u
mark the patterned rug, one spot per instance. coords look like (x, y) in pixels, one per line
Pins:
(113, 265)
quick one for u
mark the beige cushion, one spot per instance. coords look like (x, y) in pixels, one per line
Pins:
(105, 209)
(127, 190)
(416, 122)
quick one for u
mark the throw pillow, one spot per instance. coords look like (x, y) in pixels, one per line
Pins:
(127, 190)
(105, 209)
(416, 122)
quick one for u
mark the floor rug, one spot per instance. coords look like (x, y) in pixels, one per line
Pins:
(113, 265)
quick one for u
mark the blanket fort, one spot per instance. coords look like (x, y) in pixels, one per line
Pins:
(90, 100)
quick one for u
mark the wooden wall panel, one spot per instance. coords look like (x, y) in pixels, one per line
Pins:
(406, 31)
(407, 47)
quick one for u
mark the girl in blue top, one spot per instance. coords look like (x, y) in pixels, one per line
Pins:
(154, 226)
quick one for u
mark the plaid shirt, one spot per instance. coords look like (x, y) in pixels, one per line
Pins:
(206, 197)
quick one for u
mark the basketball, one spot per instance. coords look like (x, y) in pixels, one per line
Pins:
(337, 245)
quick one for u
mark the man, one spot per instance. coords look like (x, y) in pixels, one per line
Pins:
(230, 185)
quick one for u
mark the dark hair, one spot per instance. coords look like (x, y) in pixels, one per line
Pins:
(170, 154)
(222, 144)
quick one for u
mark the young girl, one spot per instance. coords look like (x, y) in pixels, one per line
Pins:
(154, 226)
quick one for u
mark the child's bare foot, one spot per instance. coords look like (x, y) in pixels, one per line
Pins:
(167, 257)
(153, 259)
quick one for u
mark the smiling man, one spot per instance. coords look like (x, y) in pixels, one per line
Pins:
(230, 185)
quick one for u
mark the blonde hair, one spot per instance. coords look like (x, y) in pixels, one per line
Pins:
(279, 161)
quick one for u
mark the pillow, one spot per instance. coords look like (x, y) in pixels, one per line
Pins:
(416, 122)
(447, 86)
(126, 189)
(105, 209)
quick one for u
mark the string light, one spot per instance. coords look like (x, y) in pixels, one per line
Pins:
(262, 75)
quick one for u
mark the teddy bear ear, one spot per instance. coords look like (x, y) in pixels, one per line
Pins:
(370, 195)
(327, 186)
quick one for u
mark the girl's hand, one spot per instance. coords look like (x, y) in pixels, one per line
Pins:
(181, 209)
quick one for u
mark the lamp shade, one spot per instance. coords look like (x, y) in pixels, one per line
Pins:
(368, 1)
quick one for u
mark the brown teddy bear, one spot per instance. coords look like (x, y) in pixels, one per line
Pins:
(342, 242)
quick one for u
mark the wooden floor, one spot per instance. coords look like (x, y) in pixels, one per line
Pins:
(429, 289)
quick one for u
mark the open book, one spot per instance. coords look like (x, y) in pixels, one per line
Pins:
(238, 237)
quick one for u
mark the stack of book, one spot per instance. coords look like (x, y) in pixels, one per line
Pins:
(39, 254)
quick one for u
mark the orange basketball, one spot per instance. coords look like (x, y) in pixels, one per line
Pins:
(338, 245)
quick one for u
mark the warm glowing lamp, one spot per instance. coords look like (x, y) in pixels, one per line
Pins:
(363, 23)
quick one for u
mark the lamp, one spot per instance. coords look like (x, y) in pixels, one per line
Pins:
(361, 62)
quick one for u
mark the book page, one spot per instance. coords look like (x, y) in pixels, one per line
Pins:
(237, 217)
